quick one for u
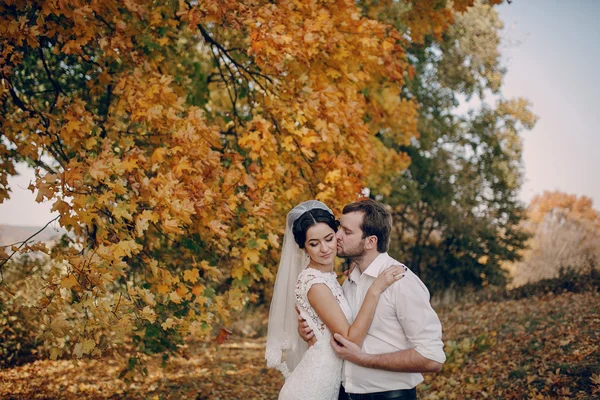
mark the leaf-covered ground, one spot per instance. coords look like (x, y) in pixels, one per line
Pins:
(544, 347)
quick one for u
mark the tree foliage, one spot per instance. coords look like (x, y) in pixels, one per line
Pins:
(172, 136)
(456, 207)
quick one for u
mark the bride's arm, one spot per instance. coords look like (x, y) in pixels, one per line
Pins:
(327, 308)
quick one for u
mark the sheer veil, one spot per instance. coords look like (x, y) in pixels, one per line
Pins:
(285, 348)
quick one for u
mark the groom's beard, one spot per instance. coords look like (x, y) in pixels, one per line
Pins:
(353, 253)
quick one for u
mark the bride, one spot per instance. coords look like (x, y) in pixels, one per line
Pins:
(306, 279)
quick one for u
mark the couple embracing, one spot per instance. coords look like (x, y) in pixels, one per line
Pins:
(370, 338)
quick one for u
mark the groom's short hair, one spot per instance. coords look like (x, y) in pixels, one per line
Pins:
(377, 221)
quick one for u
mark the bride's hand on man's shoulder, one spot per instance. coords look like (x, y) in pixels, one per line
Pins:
(347, 272)
(389, 276)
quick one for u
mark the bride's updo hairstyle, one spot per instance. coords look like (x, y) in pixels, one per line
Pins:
(310, 218)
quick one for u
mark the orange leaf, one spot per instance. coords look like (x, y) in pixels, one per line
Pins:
(223, 336)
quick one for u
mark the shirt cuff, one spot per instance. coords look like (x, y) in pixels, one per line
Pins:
(431, 354)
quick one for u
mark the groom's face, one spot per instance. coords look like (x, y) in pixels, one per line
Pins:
(350, 241)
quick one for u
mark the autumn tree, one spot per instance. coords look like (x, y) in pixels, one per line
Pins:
(565, 231)
(456, 208)
(172, 137)
(576, 207)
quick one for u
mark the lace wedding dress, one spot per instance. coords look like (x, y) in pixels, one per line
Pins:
(319, 373)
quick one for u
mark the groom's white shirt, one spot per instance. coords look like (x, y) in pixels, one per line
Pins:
(404, 319)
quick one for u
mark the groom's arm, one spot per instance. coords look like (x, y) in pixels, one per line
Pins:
(419, 323)
(399, 361)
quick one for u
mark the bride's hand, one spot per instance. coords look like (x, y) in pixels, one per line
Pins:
(387, 277)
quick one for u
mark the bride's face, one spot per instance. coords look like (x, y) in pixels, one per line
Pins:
(321, 244)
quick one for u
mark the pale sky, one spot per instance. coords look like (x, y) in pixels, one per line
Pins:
(552, 52)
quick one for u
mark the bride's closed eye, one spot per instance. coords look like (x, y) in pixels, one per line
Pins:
(315, 243)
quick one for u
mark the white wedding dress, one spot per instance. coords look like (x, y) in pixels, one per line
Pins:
(318, 375)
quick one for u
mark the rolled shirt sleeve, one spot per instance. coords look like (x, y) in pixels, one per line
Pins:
(419, 321)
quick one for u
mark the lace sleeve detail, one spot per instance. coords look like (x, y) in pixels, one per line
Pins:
(306, 280)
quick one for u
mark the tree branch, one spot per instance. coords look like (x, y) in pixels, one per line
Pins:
(24, 242)
(239, 66)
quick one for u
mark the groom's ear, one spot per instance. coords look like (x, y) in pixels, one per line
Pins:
(371, 242)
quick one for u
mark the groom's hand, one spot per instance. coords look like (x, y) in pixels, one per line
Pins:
(304, 330)
(346, 349)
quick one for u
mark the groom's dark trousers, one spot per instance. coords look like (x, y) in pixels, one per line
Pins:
(400, 394)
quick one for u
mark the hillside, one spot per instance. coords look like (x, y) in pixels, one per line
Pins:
(537, 347)
(12, 234)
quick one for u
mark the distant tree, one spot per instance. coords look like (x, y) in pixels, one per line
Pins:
(579, 207)
(565, 232)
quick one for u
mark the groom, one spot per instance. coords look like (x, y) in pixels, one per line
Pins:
(405, 337)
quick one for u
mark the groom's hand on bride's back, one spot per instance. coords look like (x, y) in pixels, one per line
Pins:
(304, 330)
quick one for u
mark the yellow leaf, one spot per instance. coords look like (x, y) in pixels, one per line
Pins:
(143, 220)
(252, 256)
(333, 176)
(55, 353)
(218, 228)
(61, 206)
(97, 169)
(174, 297)
(68, 282)
(44, 190)
(147, 296)
(90, 143)
(126, 248)
(129, 164)
(238, 273)
(163, 289)
(159, 155)
(168, 324)
(274, 240)
(149, 314)
(59, 326)
(122, 212)
(191, 275)
(87, 346)
(198, 330)
(172, 226)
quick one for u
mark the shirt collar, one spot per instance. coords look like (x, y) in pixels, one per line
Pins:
(373, 269)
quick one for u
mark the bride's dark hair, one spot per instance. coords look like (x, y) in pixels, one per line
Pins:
(310, 218)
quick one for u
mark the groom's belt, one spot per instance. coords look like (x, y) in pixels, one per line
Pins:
(400, 394)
